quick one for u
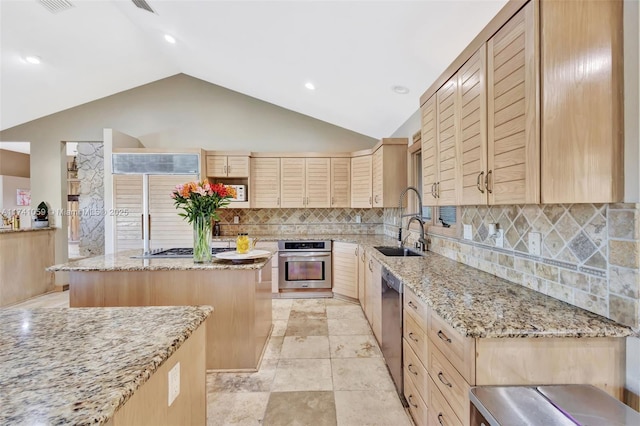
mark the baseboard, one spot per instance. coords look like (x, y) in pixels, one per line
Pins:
(632, 399)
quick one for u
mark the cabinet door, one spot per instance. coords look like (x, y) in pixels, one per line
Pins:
(377, 172)
(127, 196)
(167, 228)
(237, 166)
(317, 182)
(429, 152)
(376, 299)
(583, 100)
(362, 268)
(216, 165)
(340, 182)
(292, 182)
(448, 135)
(361, 182)
(473, 129)
(265, 182)
(368, 288)
(512, 117)
(345, 269)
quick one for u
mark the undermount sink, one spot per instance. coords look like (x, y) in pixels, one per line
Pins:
(396, 251)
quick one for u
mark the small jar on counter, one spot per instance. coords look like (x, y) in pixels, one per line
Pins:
(242, 243)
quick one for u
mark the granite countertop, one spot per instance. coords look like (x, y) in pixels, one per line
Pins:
(9, 230)
(123, 261)
(80, 365)
(478, 304)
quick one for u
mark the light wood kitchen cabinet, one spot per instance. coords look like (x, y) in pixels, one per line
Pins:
(345, 269)
(361, 182)
(341, 182)
(448, 136)
(513, 117)
(373, 295)
(388, 174)
(305, 182)
(582, 101)
(265, 186)
(454, 363)
(228, 165)
(429, 152)
(168, 229)
(362, 272)
(273, 247)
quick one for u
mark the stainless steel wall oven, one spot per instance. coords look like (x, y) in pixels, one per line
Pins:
(304, 264)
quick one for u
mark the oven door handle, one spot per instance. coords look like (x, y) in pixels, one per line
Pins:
(328, 254)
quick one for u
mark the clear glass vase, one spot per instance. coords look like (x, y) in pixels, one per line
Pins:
(202, 239)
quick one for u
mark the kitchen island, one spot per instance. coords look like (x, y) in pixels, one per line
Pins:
(25, 255)
(237, 330)
(102, 366)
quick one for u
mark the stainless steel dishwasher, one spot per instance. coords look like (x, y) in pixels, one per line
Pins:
(391, 339)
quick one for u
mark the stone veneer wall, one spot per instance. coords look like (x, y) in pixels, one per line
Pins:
(90, 160)
(590, 252)
(301, 221)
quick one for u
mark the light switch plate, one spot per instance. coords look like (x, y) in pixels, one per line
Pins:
(359, 219)
(174, 383)
(467, 232)
(534, 243)
(236, 219)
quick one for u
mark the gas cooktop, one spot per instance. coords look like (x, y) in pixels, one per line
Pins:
(178, 252)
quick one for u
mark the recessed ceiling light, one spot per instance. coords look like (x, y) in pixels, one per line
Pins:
(170, 39)
(32, 59)
(400, 90)
(310, 86)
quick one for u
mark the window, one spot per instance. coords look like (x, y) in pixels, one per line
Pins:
(440, 219)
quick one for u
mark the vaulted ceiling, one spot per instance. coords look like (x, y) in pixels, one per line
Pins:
(354, 52)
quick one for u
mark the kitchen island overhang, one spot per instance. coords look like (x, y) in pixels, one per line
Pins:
(238, 328)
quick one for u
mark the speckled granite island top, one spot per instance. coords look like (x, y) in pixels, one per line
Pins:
(79, 366)
(123, 261)
(9, 230)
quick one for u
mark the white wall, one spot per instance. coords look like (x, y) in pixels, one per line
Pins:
(409, 127)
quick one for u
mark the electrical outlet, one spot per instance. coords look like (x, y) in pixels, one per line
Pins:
(359, 219)
(499, 238)
(236, 219)
(492, 229)
(534, 243)
(174, 383)
(394, 220)
(467, 232)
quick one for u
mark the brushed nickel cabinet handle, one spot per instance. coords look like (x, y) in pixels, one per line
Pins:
(278, 201)
(332, 201)
(415, 373)
(438, 190)
(443, 336)
(412, 305)
(440, 417)
(362, 256)
(370, 203)
(486, 182)
(441, 378)
(371, 265)
(413, 338)
(356, 252)
(479, 182)
(376, 198)
(433, 190)
(411, 401)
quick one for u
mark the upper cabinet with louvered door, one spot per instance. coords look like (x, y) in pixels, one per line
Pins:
(473, 129)
(292, 182)
(377, 166)
(317, 182)
(341, 182)
(513, 120)
(429, 152)
(583, 101)
(447, 105)
(361, 182)
(265, 182)
(389, 172)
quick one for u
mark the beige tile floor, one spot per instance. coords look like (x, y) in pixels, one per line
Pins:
(322, 366)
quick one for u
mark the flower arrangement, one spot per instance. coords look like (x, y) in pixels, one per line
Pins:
(201, 199)
(200, 202)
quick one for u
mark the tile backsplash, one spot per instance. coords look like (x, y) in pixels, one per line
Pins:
(301, 221)
(590, 253)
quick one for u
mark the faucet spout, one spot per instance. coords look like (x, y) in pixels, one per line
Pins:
(421, 240)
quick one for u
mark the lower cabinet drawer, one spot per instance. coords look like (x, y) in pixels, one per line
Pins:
(415, 369)
(416, 337)
(459, 350)
(417, 406)
(440, 413)
(450, 383)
